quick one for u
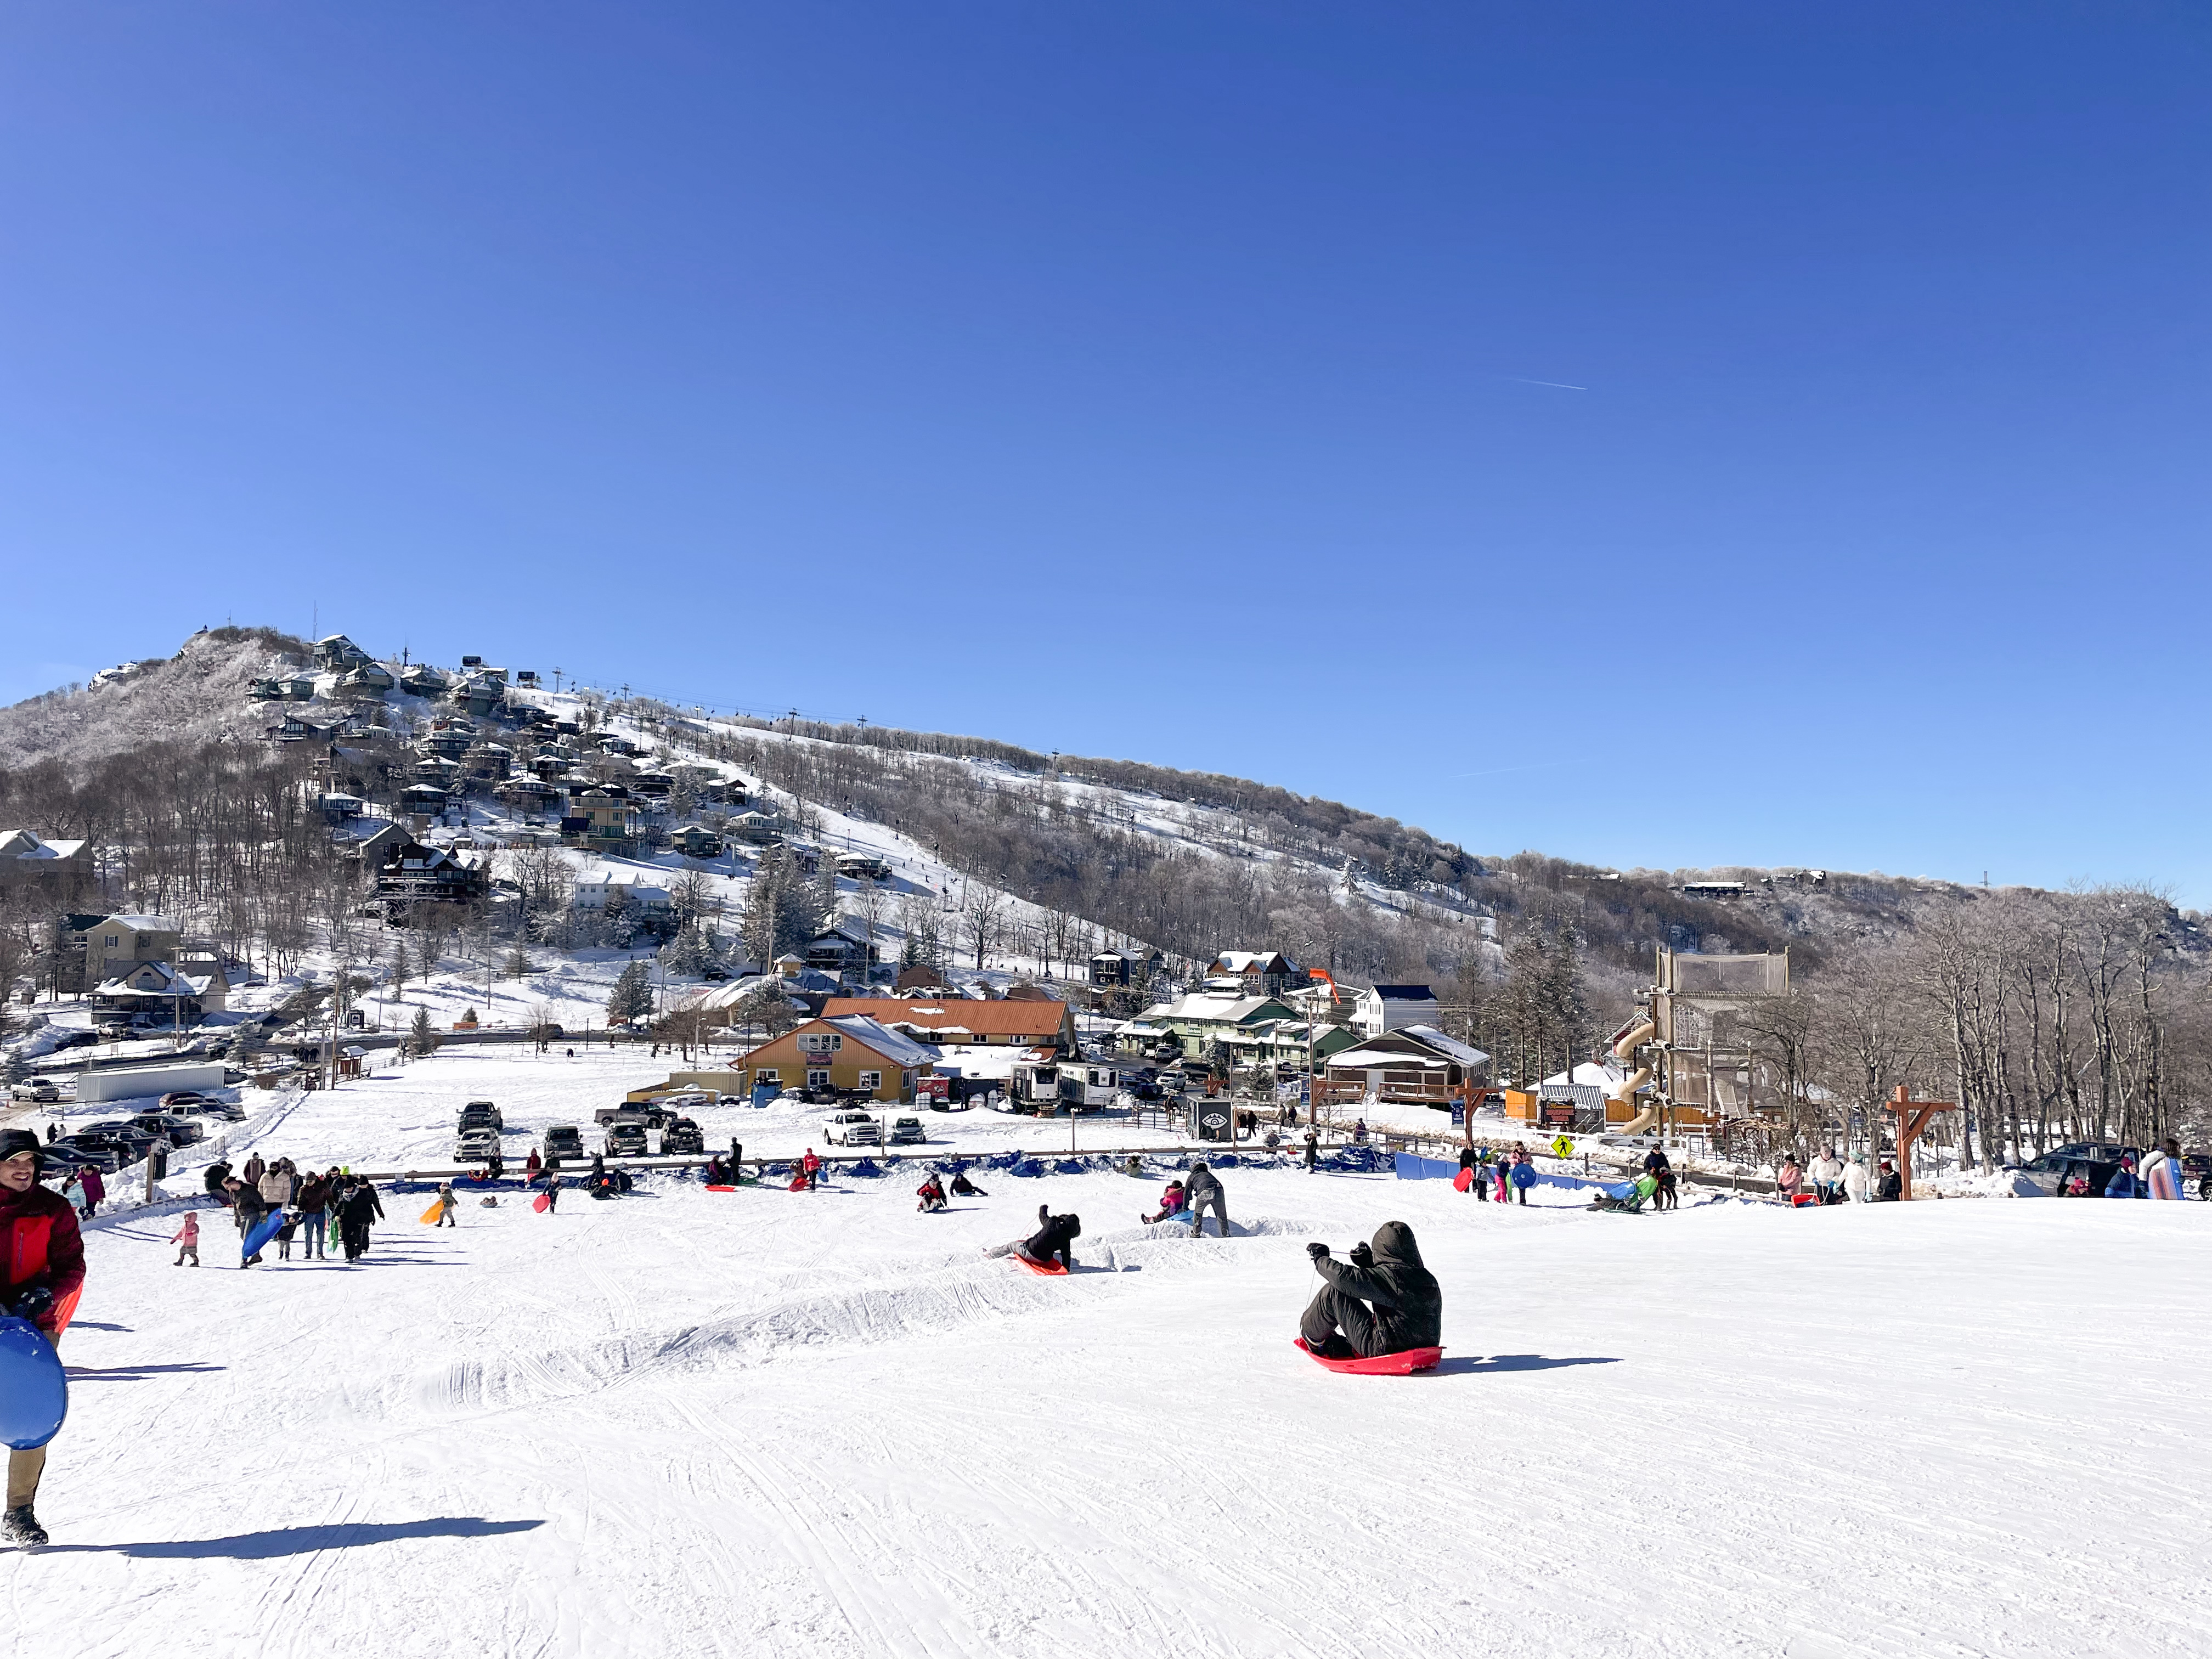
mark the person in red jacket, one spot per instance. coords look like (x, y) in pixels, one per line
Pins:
(41, 1277)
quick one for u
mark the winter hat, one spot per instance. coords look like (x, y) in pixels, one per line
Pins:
(14, 1143)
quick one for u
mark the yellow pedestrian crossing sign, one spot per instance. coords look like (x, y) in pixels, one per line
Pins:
(1562, 1147)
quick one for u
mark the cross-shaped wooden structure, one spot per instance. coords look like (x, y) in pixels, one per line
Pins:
(1912, 1117)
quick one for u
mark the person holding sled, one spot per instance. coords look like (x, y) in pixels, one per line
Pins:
(41, 1277)
(1054, 1237)
(246, 1209)
(447, 1203)
(1382, 1301)
(1523, 1174)
(810, 1167)
(1204, 1188)
(932, 1194)
(1171, 1203)
(966, 1188)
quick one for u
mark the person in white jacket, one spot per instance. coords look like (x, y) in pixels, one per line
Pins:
(1827, 1174)
(1855, 1180)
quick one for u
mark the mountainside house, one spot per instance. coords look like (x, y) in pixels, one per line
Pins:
(1117, 969)
(844, 950)
(639, 889)
(602, 821)
(293, 729)
(695, 840)
(412, 876)
(1026, 1025)
(1415, 1063)
(423, 681)
(108, 947)
(841, 1051)
(336, 653)
(157, 988)
(25, 857)
(369, 679)
(374, 843)
(1195, 1023)
(1264, 973)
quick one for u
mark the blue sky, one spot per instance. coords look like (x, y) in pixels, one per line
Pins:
(1683, 435)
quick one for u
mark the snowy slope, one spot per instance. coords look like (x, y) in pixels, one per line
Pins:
(766, 1423)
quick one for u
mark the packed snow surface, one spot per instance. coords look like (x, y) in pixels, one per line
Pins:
(766, 1422)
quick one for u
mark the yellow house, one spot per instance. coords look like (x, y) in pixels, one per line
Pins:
(850, 1052)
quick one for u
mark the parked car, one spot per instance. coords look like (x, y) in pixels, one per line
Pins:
(223, 1110)
(647, 1114)
(625, 1140)
(177, 1098)
(682, 1135)
(2054, 1171)
(59, 1158)
(853, 1129)
(40, 1089)
(77, 1040)
(103, 1152)
(177, 1131)
(908, 1131)
(483, 1112)
(562, 1141)
(478, 1145)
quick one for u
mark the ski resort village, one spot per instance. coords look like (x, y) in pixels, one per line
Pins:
(535, 1167)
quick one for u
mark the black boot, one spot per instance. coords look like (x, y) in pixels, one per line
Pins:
(21, 1528)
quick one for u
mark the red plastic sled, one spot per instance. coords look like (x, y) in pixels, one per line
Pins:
(1049, 1269)
(713, 1188)
(542, 1203)
(1383, 1364)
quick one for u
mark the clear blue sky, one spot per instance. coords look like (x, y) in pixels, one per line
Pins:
(1663, 435)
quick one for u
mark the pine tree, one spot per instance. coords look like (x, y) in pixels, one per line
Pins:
(632, 996)
(402, 969)
(422, 1036)
(517, 965)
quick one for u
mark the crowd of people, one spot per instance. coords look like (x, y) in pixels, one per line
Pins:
(319, 1212)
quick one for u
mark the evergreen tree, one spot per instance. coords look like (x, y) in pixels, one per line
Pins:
(782, 910)
(687, 954)
(517, 965)
(422, 1036)
(632, 997)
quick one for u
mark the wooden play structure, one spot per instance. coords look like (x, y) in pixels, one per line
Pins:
(1913, 1117)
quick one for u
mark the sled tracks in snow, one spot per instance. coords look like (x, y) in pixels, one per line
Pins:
(824, 1312)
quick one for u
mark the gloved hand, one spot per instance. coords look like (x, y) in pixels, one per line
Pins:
(36, 1304)
(1362, 1257)
(1316, 1250)
(1044, 1213)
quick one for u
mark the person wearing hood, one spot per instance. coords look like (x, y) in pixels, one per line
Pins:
(41, 1277)
(1855, 1180)
(1827, 1171)
(1170, 1206)
(1382, 1301)
(965, 1187)
(1204, 1188)
(1054, 1237)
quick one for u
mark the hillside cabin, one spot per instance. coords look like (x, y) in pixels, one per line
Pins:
(156, 989)
(1414, 1064)
(1264, 973)
(25, 857)
(336, 653)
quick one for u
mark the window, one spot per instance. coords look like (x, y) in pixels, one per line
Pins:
(112, 941)
(872, 1081)
(818, 1080)
(770, 1076)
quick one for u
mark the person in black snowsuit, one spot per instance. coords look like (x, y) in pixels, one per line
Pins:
(966, 1187)
(1383, 1301)
(217, 1173)
(357, 1208)
(1056, 1237)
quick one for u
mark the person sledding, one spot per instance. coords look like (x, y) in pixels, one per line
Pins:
(1054, 1237)
(1171, 1203)
(932, 1194)
(1633, 1202)
(963, 1187)
(1383, 1301)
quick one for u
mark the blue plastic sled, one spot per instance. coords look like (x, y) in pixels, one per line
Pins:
(34, 1388)
(261, 1236)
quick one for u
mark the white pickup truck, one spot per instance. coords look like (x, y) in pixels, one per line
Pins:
(853, 1129)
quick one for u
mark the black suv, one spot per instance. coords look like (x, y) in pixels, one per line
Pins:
(682, 1135)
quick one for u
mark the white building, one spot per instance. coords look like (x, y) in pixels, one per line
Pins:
(595, 887)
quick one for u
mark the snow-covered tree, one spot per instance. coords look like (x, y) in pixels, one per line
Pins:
(422, 1036)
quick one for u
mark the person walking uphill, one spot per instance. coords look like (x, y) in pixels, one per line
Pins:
(187, 1239)
(246, 1209)
(1382, 1301)
(313, 1199)
(1204, 1188)
(41, 1277)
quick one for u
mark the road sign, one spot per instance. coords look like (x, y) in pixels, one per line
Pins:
(1562, 1147)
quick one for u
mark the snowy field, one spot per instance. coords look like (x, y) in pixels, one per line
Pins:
(767, 1423)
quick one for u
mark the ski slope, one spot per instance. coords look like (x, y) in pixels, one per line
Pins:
(768, 1423)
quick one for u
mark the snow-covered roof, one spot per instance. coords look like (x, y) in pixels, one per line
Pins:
(22, 844)
(1451, 1047)
(144, 923)
(155, 978)
(894, 1046)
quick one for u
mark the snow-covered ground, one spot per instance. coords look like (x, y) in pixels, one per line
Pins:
(823, 1423)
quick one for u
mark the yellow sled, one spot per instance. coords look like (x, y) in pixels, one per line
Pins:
(435, 1212)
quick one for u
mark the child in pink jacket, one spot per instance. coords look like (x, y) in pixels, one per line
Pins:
(188, 1239)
